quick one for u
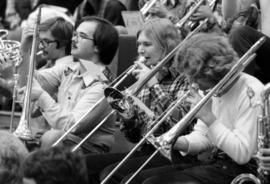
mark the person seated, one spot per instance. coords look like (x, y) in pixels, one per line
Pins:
(12, 154)
(56, 165)
(55, 36)
(155, 39)
(79, 86)
(110, 10)
(173, 10)
(226, 122)
(244, 36)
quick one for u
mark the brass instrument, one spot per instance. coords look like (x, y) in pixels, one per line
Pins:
(147, 6)
(163, 143)
(151, 3)
(23, 130)
(185, 21)
(167, 139)
(3, 33)
(125, 106)
(10, 49)
(263, 125)
(113, 95)
(95, 107)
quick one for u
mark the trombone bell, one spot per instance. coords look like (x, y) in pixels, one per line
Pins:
(118, 101)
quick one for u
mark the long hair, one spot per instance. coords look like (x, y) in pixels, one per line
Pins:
(207, 56)
(164, 33)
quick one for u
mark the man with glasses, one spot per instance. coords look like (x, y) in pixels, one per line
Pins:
(79, 85)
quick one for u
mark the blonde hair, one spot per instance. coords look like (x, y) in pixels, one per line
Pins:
(164, 33)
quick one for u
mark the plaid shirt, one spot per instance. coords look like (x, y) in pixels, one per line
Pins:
(157, 99)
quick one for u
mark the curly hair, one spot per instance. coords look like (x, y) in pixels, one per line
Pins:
(164, 33)
(56, 165)
(12, 153)
(207, 56)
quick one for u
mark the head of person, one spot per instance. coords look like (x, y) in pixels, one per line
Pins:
(55, 37)
(56, 165)
(155, 39)
(206, 59)
(12, 154)
(173, 7)
(95, 39)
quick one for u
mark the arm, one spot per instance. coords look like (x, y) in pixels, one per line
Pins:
(195, 142)
(230, 8)
(239, 141)
(265, 17)
(59, 117)
(163, 97)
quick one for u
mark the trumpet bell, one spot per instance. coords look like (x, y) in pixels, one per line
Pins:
(123, 104)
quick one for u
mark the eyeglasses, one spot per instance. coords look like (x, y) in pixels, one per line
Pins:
(82, 35)
(46, 43)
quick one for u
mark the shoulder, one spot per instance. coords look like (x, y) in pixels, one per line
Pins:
(115, 4)
(249, 89)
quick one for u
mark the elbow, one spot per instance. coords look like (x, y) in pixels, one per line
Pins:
(243, 158)
(242, 161)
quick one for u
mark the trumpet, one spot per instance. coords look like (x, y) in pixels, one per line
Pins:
(23, 130)
(263, 136)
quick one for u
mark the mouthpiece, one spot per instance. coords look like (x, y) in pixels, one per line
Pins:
(39, 52)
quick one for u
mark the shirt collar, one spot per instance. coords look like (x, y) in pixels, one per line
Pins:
(92, 72)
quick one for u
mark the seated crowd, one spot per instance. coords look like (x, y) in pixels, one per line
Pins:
(192, 110)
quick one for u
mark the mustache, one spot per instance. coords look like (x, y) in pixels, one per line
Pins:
(73, 44)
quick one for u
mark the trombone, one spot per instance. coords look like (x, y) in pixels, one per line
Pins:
(111, 92)
(193, 9)
(165, 114)
(164, 142)
(115, 84)
(147, 6)
(23, 130)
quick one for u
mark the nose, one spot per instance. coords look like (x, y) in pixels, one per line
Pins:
(141, 50)
(41, 46)
(74, 38)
